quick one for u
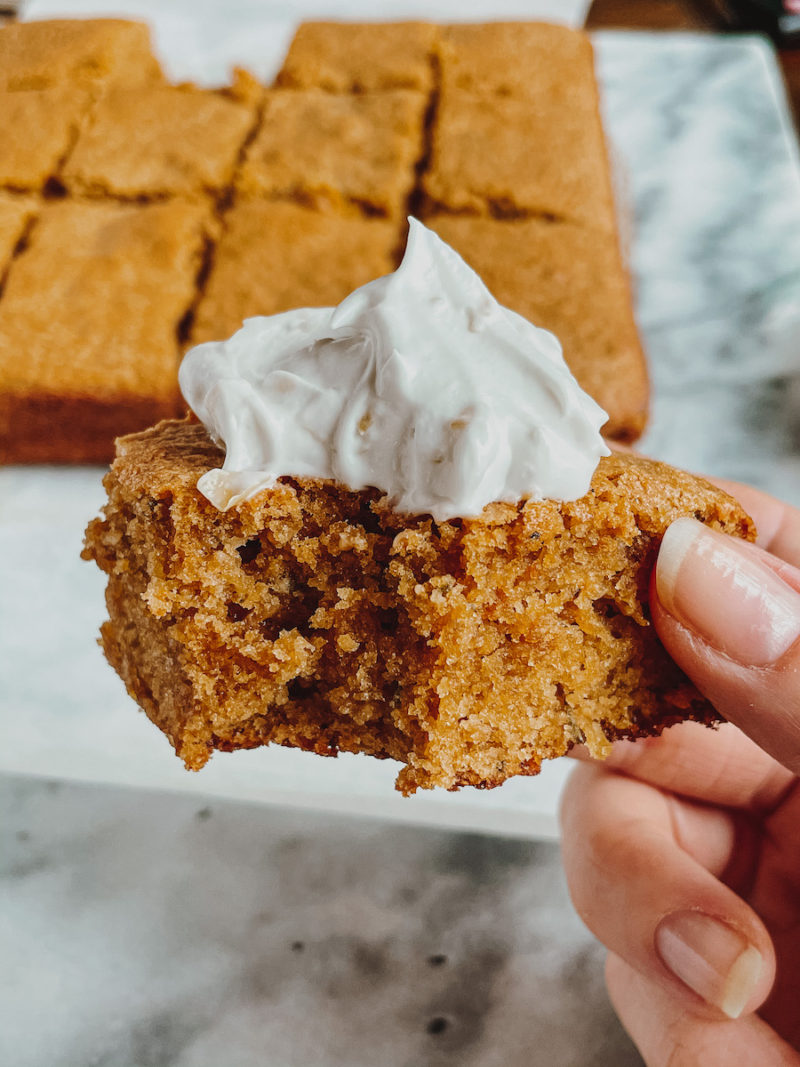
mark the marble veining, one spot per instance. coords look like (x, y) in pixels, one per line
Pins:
(147, 930)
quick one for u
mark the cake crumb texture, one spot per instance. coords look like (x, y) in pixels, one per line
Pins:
(316, 617)
(491, 133)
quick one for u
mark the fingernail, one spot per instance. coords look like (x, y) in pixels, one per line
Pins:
(718, 587)
(711, 958)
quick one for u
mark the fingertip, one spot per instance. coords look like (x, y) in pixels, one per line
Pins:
(676, 545)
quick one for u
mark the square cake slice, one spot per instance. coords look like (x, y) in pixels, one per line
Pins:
(160, 141)
(536, 158)
(38, 128)
(76, 52)
(276, 255)
(314, 616)
(347, 152)
(570, 280)
(527, 60)
(107, 285)
(360, 57)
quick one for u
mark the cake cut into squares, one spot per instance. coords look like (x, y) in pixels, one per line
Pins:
(37, 130)
(570, 280)
(314, 616)
(89, 322)
(340, 151)
(160, 141)
(534, 158)
(16, 215)
(76, 52)
(275, 255)
(344, 57)
(527, 60)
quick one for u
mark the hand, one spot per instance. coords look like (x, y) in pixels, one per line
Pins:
(683, 852)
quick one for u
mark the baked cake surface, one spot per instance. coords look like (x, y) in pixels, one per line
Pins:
(160, 141)
(542, 159)
(315, 617)
(359, 129)
(361, 56)
(276, 255)
(75, 52)
(354, 151)
(109, 284)
(572, 281)
(16, 214)
(37, 130)
(527, 60)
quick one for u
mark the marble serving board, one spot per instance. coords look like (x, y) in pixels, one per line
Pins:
(710, 178)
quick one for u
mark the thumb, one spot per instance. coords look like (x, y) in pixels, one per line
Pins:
(729, 615)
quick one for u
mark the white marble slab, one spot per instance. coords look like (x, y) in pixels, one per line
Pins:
(701, 129)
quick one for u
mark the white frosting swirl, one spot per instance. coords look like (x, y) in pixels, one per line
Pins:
(419, 384)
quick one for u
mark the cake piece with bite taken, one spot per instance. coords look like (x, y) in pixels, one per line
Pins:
(396, 530)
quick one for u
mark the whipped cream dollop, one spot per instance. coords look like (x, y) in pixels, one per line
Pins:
(419, 384)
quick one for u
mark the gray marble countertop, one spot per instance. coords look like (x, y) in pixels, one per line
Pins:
(140, 928)
(149, 930)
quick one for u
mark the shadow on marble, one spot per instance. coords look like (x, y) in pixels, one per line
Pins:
(159, 931)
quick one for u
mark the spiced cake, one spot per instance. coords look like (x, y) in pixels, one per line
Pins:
(161, 141)
(339, 151)
(275, 255)
(309, 182)
(314, 616)
(108, 284)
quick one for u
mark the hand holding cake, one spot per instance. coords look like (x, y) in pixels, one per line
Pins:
(425, 553)
(698, 830)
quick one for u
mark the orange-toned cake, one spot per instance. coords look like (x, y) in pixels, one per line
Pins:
(354, 152)
(76, 53)
(541, 160)
(309, 182)
(275, 255)
(16, 215)
(525, 60)
(108, 285)
(38, 128)
(361, 56)
(570, 280)
(160, 141)
(316, 617)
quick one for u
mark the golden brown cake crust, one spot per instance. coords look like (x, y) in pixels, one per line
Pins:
(526, 60)
(16, 215)
(160, 141)
(76, 52)
(109, 284)
(370, 119)
(355, 151)
(28, 161)
(347, 57)
(316, 617)
(275, 255)
(547, 160)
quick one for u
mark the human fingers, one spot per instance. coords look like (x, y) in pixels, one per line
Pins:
(729, 614)
(638, 883)
(667, 1036)
(720, 766)
(777, 523)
